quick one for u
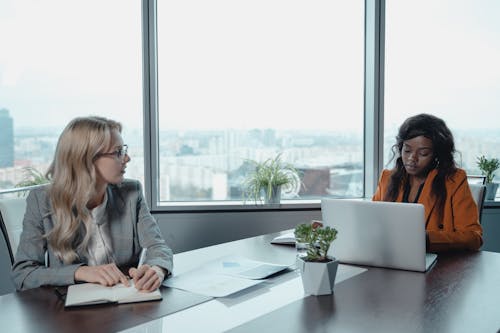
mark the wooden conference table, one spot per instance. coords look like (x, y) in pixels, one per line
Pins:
(461, 293)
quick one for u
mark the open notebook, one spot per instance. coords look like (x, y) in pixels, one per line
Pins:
(91, 293)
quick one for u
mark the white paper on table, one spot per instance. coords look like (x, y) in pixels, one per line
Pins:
(213, 285)
(248, 269)
(224, 276)
(288, 238)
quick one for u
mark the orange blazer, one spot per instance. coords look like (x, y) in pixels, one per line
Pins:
(459, 229)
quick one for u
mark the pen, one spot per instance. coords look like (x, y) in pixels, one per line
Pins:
(142, 258)
(59, 294)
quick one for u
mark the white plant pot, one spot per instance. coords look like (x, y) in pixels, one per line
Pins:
(491, 191)
(275, 195)
(318, 278)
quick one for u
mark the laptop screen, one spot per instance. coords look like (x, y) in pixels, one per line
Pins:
(376, 233)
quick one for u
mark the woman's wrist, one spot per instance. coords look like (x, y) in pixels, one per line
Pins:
(160, 271)
(79, 272)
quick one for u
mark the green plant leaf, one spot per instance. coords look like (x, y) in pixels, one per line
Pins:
(31, 176)
(268, 175)
(317, 240)
(488, 167)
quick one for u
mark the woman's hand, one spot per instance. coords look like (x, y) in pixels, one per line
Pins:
(107, 275)
(147, 278)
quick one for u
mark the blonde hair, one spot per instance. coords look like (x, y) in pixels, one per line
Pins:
(73, 180)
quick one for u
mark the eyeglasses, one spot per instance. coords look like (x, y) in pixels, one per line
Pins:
(119, 153)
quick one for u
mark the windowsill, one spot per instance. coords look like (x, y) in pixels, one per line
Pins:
(492, 203)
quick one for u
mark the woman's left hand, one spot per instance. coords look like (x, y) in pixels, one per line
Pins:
(147, 278)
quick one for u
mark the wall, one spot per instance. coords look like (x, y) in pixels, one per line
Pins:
(491, 227)
(184, 232)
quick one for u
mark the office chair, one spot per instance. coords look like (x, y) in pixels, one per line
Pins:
(476, 179)
(478, 194)
(11, 222)
(6, 285)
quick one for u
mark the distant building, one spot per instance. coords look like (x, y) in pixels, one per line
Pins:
(6, 139)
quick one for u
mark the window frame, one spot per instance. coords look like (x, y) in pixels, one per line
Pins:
(373, 117)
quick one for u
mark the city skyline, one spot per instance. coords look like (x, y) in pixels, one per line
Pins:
(207, 162)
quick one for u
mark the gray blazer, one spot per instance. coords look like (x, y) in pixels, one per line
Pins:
(132, 227)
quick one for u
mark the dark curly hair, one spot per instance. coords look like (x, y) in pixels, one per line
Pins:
(436, 130)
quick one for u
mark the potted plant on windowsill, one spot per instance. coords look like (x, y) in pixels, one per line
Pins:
(269, 179)
(488, 167)
(31, 177)
(318, 270)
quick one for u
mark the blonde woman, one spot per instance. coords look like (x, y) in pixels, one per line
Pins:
(90, 222)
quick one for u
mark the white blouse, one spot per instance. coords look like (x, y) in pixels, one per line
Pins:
(100, 246)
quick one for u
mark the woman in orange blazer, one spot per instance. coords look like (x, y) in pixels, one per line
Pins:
(425, 172)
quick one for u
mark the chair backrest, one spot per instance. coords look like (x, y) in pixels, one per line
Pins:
(478, 193)
(476, 179)
(6, 284)
(11, 215)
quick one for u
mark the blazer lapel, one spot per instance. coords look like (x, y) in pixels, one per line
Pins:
(426, 197)
(120, 228)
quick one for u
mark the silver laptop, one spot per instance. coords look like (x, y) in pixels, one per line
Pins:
(376, 233)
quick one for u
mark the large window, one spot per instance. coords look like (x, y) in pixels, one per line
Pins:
(442, 58)
(240, 80)
(62, 59)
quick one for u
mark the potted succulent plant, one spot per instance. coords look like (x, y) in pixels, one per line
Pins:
(318, 270)
(488, 168)
(269, 179)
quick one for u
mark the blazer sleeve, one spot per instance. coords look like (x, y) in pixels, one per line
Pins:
(29, 269)
(461, 228)
(150, 237)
